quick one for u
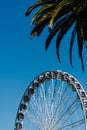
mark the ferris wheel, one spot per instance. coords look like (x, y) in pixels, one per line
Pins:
(54, 100)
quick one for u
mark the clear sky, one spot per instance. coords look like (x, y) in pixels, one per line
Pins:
(23, 58)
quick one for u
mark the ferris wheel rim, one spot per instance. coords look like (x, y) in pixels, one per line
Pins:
(68, 78)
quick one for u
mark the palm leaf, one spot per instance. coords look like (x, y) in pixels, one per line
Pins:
(80, 44)
(42, 12)
(38, 3)
(56, 14)
(71, 44)
(56, 11)
(54, 31)
(64, 28)
(39, 27)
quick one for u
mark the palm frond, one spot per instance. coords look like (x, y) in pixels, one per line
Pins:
(38, 3)
(71, 44)
(56, 11)
(64, 27)
(80, 44)
(54, 31)
(42, 12)
(39, 27)
(56, 14)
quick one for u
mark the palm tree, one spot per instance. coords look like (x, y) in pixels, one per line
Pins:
(60, 15)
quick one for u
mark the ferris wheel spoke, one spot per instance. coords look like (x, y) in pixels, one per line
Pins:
(50, 100)
(45, 103)
(42, 105)
(67, 114)
(59, 108)
(57, 91)
(53, 88)
(31, 117)
(37, 112)
(38, 123)
(52, 105)
(75, 124)
(32, 109)
(66, 99)
(34, 104)
(60, 92)
(39, 109)
(56, 106)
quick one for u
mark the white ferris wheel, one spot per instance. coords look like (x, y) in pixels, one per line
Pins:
(54, 100)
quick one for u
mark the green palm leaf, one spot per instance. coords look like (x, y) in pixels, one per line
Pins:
(59, 16)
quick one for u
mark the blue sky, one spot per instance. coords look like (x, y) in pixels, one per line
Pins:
(23, 58)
